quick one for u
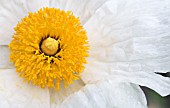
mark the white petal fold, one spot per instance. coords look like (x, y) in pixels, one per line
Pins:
(97, 71)
(153, 81)
(14, 93)
(13, 11)
(4, 58)
(107, 94)
(81, 8)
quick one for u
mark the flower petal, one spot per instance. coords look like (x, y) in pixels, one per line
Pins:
(17, 94)
(129, 42)
(4, 58)
(57, 97)
(154, 81)
(97, 71)
(131, 32)
(81, 8)
(107, 94)
(13, 11)
(35, 5)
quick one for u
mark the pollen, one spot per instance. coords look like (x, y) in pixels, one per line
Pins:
(49, 47)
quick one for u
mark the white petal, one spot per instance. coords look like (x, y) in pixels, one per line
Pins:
(17, 94)
(81, 8)
(107, 95)
(131, 32)
(13, 11)
(57, 97)
(97, 71)
(35, 5)
(129, 42)
(153, 81)
(4, 58)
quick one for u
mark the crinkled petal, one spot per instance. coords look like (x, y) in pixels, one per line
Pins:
(133, 32)
(13, 11)
(57, 97)
(17, 94)
(81, 8)
(129, 41)
(107, 94)
(4, 58)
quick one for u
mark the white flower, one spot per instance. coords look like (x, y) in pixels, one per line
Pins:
(129, 41)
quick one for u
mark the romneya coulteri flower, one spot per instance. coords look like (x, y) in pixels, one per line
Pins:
(84, 53)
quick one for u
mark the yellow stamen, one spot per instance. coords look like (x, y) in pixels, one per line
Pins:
(49, 46)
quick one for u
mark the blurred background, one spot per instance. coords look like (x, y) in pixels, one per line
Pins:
(154, 99)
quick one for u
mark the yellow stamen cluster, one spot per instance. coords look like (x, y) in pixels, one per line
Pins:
(49, 46)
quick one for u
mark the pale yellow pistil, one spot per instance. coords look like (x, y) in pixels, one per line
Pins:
(50, 46)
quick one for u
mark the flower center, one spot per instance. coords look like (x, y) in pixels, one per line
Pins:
(48, 47)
